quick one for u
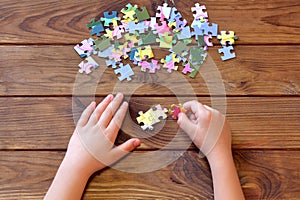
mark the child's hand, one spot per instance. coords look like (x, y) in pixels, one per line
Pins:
(207, 128)
(91, 147)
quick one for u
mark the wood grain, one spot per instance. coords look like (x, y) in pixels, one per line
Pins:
(47, 123)
(52, 70)
(263, 175)
(64, 22)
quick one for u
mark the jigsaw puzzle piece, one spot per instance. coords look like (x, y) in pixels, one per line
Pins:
(166, 41)
(187, 69)
(151, 66)
(125, 71)
(197, 55)
(110, 18)
(85, 48)
(175, 110)
(144, 52)
(111, 63)
(195, 68)
(164, 12)
(185, 33)
(87, 64)
(174, 15)
(149, 38)
(199, 11)
(227, 53)
(106, 53)
(97, 29)
(227, 37)
(161, 29)
(210, 29)
(101, 45)
(93, 23)
(142, 14)
(151, 117)
(129, 12)
(180, 48)
(132, 27)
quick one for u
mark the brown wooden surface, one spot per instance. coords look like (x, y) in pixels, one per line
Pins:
(27, 175)
(38, 77)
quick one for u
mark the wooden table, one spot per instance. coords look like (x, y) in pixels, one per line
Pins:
(39, 69)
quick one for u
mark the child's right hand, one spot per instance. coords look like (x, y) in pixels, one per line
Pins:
(196, 123)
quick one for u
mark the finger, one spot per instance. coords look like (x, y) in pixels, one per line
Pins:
(110, 111)
(86, 114)
(195, 107)
(187, 125)
(100, 108)
(125, 148)
(116, 123)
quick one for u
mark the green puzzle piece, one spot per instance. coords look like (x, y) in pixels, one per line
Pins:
(149, 38)
(196, 55)
(201, 41)
(196, 69)
(93, 23)
(142, 15)
(180, 47)
(101, 45)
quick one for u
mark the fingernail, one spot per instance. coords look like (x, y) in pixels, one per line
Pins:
(92, 103)
(108, 97)
(137, 143)
(118, 95)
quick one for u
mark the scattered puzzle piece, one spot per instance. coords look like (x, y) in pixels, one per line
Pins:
(199, 11)
(164, 12)
(142, 15)
(227, 52)
(87, 64)
(110, 18)
(166, 41)
(175, 110)
(97, 29)
(151, 117)
(85, 48)
(125, 71)
(149, 38)
(129, 13)
(187, 69)
(101, 45)
(227, 38)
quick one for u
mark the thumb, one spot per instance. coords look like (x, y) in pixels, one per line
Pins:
(125, 148)
(186, 125)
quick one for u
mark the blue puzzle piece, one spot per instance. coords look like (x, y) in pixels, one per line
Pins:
(131, 54)
(185, 33)
(227, 52)
(213, 29)
(111, 63)
(106, 53)
(109, 17)
(125, 71)
(174, 15)
(97, 29)
(141, 27)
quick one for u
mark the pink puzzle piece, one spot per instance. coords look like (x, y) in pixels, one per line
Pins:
(187, 69)
(87, 64)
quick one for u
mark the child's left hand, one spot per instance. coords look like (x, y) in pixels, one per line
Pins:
(91, 147)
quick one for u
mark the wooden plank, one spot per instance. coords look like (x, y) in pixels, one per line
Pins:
(64, 22)
(256, 122)
(52, 70)
(263, 175)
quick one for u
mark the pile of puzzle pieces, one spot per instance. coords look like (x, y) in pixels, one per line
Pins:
(157, 113)
(130, 35)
